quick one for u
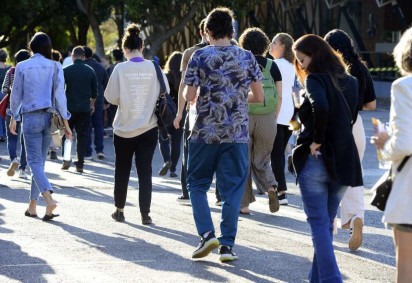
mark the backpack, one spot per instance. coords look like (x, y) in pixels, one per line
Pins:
(270, 100)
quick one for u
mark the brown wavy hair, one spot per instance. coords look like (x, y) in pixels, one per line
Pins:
(324, 59)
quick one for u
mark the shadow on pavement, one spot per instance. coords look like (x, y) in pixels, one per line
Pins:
(20, 266)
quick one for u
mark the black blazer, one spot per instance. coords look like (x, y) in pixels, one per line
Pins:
(327, 119)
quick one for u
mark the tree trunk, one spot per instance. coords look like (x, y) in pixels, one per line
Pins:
(119, 18)
(87, 7)
(162, 33)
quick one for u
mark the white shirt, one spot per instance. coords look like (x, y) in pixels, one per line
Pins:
(288, 77)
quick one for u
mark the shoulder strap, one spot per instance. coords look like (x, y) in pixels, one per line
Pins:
(347, 106)
(403, 163)
(268, 66)
(54, 85)
(160, 77)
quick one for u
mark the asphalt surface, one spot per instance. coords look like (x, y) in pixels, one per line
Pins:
(85, 244)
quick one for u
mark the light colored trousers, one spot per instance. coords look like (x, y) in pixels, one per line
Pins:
(352, 203)
(262, 134)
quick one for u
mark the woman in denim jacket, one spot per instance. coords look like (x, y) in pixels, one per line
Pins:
(325, 158)
(31, 97)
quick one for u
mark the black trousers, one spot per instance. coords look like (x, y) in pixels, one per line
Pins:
(278, 155)
(142, 148)
(79, 122)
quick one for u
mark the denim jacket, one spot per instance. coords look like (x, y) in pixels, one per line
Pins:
(32, 87)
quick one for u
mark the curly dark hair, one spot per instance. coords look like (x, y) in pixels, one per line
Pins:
(131, 38)
(219, 23)
(255, 40)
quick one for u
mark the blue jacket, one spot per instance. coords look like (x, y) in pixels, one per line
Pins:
(33, 84)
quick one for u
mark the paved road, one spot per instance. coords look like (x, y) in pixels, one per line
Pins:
(85, 245)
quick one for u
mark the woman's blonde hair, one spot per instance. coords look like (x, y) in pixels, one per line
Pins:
(286, 40)
(403, 53)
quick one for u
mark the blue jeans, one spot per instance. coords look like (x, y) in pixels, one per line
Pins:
(12, 144)
(96, 123)
(170, 148)
(37, 138)
(321, 196)
(230, 162)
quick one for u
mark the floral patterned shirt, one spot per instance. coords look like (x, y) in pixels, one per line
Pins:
(223, 75)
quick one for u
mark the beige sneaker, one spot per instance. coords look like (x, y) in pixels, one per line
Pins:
(12, 168)
(356, 233)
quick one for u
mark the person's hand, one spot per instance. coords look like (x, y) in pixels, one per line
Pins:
(176, 122)
(106, 106)
(380, 139)
(12, 126)
(68, 133)
(91, 110)
(314, 148)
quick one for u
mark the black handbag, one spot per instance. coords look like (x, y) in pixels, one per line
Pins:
(165, 107)
(383, 187)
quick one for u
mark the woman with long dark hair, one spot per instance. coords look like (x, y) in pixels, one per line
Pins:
(171, 138)
(31, 97)
(352, 209)
(325, 146)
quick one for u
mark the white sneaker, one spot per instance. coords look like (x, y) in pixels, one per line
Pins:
(12, 168)
(22, 174)
(356, 233)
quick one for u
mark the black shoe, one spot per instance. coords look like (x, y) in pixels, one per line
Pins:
(173, 175)
(66, 165)
(206, 245)
(183, 199)
(227, 254)
(27, 213)
(53, 155)
(79, 168)
(165, 168)
(146, 219)
(49, 217)
(283, 199)
(118, 216)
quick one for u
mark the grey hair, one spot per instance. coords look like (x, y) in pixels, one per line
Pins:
(403, 53)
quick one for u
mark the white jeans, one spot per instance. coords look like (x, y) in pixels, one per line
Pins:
(352, 203)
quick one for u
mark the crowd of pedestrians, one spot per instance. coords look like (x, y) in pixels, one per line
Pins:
(234, 107)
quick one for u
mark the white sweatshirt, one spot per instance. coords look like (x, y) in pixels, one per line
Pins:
(134, 88)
